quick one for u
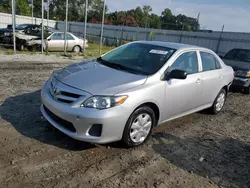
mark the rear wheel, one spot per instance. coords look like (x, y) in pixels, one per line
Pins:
(139, 126)
(247, 90)
(219, 102)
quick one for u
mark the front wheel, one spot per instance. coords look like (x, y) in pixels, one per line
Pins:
(219, 102)
(76, 49)
(139, 126)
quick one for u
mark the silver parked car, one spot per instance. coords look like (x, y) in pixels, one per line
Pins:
(126, 92)
(55, 42)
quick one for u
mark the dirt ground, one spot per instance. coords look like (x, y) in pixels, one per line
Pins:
(199, 150)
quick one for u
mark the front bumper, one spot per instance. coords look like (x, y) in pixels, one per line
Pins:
(241, 82)
(113, 120)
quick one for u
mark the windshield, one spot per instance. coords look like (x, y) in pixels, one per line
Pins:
(238, 55)
(138, 58)
(21, 26)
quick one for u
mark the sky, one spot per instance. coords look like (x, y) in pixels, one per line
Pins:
(234, 14)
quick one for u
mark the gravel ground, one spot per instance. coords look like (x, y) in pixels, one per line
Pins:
(199, 150)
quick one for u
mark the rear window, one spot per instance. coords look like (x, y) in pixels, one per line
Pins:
(238, 55)
(209, 62)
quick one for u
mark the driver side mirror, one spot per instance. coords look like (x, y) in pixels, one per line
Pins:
(49, 39)
(176, 74)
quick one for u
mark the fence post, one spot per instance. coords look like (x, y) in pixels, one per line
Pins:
(14, 25)
(66, 28)
(181, 33)
(219, 40)
(121, 39)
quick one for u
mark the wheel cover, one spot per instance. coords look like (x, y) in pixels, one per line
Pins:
(220, 102)
(140, 128)
(76, 49)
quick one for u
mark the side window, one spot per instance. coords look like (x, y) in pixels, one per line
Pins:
(69, 37)
(187, 62)
(209, 62)
(57, 36)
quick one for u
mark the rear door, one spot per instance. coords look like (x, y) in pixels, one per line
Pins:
(71, 42)
(212, 77)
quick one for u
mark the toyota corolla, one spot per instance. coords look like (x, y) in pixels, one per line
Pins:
(126, 92)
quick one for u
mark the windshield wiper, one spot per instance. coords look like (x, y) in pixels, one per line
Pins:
(116, 66)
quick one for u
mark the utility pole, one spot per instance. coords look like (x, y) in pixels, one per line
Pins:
(32, 11)
(219, 40)
(14, 25)
(66, 29)
(48, 2)
(85, 26)
(42, 25)
(103, 17)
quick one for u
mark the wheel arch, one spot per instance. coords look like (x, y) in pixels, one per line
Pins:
(78, 46)
(154, 107)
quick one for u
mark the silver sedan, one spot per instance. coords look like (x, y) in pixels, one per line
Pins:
(126, 92)
(55, 42)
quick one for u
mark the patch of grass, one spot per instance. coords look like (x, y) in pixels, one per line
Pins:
(9, 52)
(93, 50)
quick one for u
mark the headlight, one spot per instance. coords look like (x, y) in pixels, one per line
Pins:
(104, 102)
(7, 34)
(243, 73)
(248, 74)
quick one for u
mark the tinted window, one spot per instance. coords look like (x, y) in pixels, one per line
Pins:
(209, 62)
(238, 55)
(187, 62)
(57, 36)
(141, 58)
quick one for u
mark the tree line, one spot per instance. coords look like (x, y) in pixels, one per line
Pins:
(138, 17)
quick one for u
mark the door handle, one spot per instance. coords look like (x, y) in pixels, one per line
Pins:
(198, 81)
(220, 76)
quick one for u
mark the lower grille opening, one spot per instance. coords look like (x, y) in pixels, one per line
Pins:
(64, 100)
(67, 125)
(95, 130)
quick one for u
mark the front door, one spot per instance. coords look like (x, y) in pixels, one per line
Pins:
(182, 96)
(56, 42)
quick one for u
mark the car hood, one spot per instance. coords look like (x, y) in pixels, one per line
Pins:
(238, 65)
(98, 79)
(8, 29)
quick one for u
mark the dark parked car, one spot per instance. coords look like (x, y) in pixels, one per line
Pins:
(239, 60)
(7, 33)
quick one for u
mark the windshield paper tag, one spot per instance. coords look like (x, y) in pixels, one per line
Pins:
(161, 52)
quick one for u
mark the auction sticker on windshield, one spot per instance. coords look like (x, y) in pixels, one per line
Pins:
(161, 52)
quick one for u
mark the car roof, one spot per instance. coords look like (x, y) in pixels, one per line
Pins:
(172, 45)
(62, 32)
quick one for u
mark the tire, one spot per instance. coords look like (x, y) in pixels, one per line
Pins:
(76, 49)
(136, 131)
(21, 47)
(219, 102)
(247, 90)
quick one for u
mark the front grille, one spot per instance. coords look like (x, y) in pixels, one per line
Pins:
(70, 94)
(62, 95)
(67, 125)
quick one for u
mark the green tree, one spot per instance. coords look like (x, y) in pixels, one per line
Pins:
(146, 10)
(154, 21)
(22, 8)
(168, 20)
